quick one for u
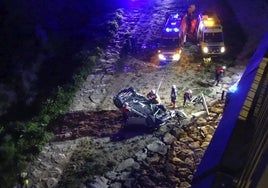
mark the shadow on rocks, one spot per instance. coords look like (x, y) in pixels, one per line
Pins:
(130, 132)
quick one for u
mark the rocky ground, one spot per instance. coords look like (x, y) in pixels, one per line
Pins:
(83, 144)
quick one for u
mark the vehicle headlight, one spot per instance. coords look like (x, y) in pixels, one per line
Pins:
(161, 57)
(205, 50)
(222, 49)
(168, 30)
(176, 30)
(176, 57)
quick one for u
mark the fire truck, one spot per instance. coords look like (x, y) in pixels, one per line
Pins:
(210, 34)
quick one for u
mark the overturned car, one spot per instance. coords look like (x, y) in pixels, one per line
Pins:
(139, 110)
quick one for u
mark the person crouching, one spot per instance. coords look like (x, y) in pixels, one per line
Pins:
(187, 96)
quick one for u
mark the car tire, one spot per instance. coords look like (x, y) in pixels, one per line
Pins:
(118, 103)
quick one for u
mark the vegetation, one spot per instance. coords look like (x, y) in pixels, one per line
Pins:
(21, 141)
(49, 37)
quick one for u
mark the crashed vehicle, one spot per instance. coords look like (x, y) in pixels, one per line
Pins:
(139, 110)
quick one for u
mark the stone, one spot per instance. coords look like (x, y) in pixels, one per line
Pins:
(141, 155)
(208, 138)
(100, 182)
(36, 173)
(170, 168)
(174, 179)
(177, 144)
(204, 144)
(59, 157)
(111, 175)
(199, 114)
(128, 183)
(216, 110)
(190, 177)
(201, 121)
(55, 172)
(116, 185)
(186, 152)
(51, 182)
(177, 161)
(194, 145)
(125, 164)
(145, 181)
(154, 159)
(158, 147)
(177, 132)
(123, 176)
(168, 138)
(186, 139)
(184, 184)
(190, 162)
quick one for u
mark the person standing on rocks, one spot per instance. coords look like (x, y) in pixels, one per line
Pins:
(173, 96)
(187, 96)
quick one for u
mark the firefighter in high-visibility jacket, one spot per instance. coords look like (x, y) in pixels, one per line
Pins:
(23, 180)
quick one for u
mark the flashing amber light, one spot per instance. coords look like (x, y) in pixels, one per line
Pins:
(209, 22)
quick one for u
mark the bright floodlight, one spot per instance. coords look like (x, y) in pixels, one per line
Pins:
(205, 50)
(209, 22)
(222, 49)
(176, 57)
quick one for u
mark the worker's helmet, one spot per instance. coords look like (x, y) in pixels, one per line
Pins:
(153, 91)
(174, 86)
(190, 91)
(23, 174)
(191, 8)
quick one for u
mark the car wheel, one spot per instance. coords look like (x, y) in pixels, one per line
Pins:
(118, 103)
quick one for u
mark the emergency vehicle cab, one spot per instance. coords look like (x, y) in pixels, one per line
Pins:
(169, 44)
(210, 34)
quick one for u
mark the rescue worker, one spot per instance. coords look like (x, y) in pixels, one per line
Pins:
(190, 18)
(218, 74)
(23, 180)
(125, 110)
(153, 97)
(173, 96)
(187, 96)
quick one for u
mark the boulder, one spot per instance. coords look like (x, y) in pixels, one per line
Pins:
(158, 147)
(168, 138)
(141, 155)
(185, 184)
(194, 145)
(126, 164)
(51, 182)
(100, 182)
